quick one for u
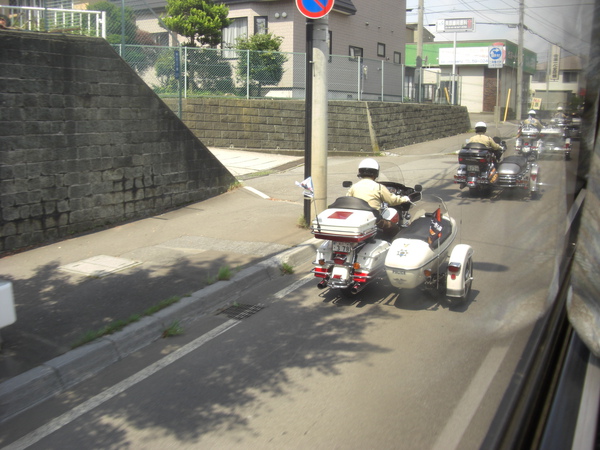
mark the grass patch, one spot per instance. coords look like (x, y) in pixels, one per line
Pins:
(286, 269)
(302, 223)
(225, 273)
(234, 186)
(175, 329)
(118, 325)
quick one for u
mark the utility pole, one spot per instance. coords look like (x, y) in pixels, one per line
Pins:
(319, 111)
(420, 48)
(520, 60)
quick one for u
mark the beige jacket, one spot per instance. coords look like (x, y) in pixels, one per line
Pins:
(485, 140)
(374, 193)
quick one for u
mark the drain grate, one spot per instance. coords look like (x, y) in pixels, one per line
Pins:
(240, 311)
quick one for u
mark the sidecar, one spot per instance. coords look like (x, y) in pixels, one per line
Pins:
(418, 256)
(554, 141)
(518, 172)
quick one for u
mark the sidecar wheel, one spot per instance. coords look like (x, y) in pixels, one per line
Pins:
(468, 276)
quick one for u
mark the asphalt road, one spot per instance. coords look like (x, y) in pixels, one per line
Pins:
(313, 370)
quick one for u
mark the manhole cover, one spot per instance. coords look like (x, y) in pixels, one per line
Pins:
(99, 266)
(240, 311)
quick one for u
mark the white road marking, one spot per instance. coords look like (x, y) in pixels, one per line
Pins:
(292, 287)
(257, 192)
(462, 415)
(87, 406)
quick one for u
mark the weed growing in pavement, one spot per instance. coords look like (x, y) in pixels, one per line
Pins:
(302, 223)
(118, 325)
(234, 186)
(225, 273)
(175, 329)
(286, 269)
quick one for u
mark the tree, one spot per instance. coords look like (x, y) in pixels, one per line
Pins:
(201, 21)
(265, 59)
(113, 22)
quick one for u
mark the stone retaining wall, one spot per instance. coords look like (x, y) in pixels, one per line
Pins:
(85, 143)
(355, 127)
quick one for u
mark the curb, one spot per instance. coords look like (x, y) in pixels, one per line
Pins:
(65, 371)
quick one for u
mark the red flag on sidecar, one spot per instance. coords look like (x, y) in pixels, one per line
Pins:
(435, 229)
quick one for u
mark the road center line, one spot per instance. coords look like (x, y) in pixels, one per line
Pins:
(68, 417)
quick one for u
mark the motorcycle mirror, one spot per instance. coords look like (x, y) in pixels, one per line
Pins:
(418, 188)
(347, 184)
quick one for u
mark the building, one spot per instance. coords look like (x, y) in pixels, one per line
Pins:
(478, 87)
(560, 83)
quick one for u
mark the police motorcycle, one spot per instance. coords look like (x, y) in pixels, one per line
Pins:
(354, 251)
(555, 140)
(481, 173)
(527, 142)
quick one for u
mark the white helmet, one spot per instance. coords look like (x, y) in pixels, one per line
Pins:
(368, 167)
(480, 125)
(560, 108)
(532, 112)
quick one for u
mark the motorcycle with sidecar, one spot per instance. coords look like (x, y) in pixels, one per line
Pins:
(354, 252)
(481, 173)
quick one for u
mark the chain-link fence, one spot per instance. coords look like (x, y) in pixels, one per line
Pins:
(195, 72)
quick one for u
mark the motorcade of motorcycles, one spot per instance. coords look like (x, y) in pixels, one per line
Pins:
(527, 141)
(354, 253)
(482, 174)
(555, 140)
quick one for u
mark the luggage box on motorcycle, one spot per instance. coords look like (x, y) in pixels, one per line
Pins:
(474, 153)
(344, 225)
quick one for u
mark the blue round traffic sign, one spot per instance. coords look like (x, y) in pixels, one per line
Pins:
(495, 53)
(315, 9)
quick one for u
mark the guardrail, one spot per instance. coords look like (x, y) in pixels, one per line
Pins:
(56, 20)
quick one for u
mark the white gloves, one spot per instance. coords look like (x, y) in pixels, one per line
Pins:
(405, 199)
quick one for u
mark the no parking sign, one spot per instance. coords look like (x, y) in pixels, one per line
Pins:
(314, 9)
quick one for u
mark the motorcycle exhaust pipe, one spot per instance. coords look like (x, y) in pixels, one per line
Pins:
(322, 284)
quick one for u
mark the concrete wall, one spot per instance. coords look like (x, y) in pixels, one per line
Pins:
(84, 143)
(354, 127)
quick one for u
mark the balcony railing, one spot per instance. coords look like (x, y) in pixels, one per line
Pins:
(55, 20)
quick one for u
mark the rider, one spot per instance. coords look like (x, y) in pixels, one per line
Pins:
(533, 120)
(482, 138)
(375, 194)
(560, 115)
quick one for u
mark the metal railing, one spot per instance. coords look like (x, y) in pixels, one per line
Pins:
(57, 20)
(197, 72)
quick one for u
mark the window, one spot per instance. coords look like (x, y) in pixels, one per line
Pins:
(238, 28)
(569, 77)
(539, 76)
(355, 52)
(261, 25)
(397, 58)
(380, 49)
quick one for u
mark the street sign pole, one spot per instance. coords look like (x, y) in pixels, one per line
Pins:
(308, 115)
(316, 129)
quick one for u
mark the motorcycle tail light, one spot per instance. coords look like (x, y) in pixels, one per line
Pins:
(454, 268)
(320, 272)
(361, 277)
(533, 176)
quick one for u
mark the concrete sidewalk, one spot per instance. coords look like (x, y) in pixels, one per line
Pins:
(67, 289)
